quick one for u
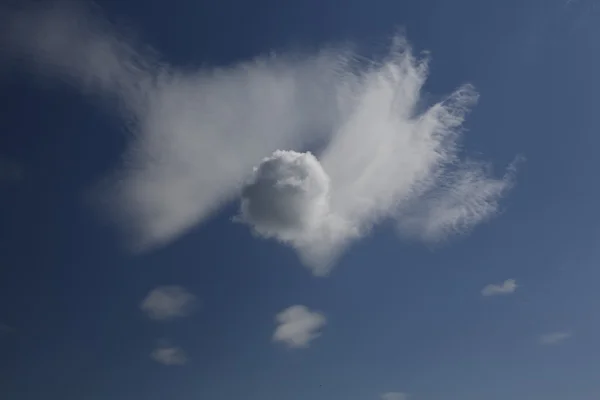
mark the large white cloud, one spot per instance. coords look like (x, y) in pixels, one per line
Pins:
(198, 133)
(298, 326)
(168, 302)
(386, 159)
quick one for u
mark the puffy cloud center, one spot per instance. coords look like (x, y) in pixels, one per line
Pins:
(287, 197)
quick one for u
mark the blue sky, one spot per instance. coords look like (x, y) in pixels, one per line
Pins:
(142, 257)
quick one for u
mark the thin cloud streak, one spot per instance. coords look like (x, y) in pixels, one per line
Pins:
(553, 338)
(507, 287)
(169, 355)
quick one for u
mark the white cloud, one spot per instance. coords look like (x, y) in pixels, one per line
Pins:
(298, 326)
(394, 396)
(385, 160)
(288, 199)
(507, 287)
(288, 195)
(554, 337)
(169, 355)
(197, 134)
(168, 302)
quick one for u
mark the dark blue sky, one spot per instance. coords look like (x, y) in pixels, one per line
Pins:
(401, 316)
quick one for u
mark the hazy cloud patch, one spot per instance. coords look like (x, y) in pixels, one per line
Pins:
(554, 337)
(495, 289)
(167, 303)
(169, 355)
(297, 326)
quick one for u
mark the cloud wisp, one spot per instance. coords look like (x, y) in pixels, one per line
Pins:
(196, 133)
(496, 289)
(169, 355)
(297, 326)
(553, 338)
(167, 303)
(386, 159)
(199, 135)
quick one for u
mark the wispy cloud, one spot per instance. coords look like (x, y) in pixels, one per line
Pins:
(197, 134)
(169, 355)
(386, 159)
(494, 289)
(394, 396)
(298, 326)
(168, 302)
(554, 337)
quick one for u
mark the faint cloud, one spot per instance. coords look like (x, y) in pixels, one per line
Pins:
(394, 396)
(5, 329)
(10, 171)
(507, 287)
(168, 302)
(554, 337)
(298, 326)
(169, 355)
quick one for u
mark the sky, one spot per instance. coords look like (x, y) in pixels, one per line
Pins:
(380, 199)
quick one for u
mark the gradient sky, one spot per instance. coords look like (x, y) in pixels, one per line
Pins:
(403, 319)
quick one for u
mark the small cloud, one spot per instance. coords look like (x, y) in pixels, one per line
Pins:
(298, 326)
(554, 337)
(169, 355)
(494, 289)
(394, 396)
(168, 302)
